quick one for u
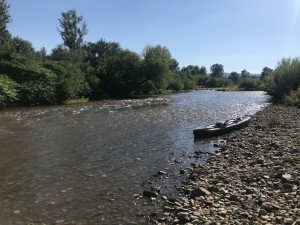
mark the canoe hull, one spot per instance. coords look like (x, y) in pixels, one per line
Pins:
(212, 131)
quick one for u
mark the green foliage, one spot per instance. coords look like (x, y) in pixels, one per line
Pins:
(293, 98)
(235, 77)
(176, 85)
(194, 70)
(249, 84)
(156, 65)
(61, 53)
(285, 79)
(70, 82)
(36, 84)
(266, 72)
(8, 91)
(272, 122)
(72, 29)
(42, 54)
(245, 74)
(4, 20)
(217, 70)
(23, 47)
(122, 75)
(218, 82)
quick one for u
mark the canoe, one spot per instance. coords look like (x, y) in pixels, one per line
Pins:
(221, 128)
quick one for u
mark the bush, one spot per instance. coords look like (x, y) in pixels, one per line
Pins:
(176, 85)
(249, 84)
(285, 79)
(215, 82)
(8, 90)
(293, 98)
(36, 84)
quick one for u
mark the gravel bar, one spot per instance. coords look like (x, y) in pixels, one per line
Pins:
(254, 179)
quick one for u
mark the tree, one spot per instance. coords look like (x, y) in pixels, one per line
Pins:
(122, 75)
(4, 20)
(156, 66)
(98, 53)
(245, 74)
(235, 77)
(265, 72)
(23, 47)
(217, 70)
(203, 70)
(42, 54)
(73, 29)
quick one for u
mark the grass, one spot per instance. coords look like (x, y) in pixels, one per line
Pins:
(272, 122)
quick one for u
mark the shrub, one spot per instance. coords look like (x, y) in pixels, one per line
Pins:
(293, 98)
(249, 84)
(286, 78)
(8, 90)
(272, 122)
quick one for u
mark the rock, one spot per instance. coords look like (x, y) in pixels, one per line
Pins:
(287, 186)
(260, 161)
(287, 176)
(288, 221)
(160, 173)
(183, 217)
(267, 206)
(233, 197)
(200, 191)
(262, 212)
(149, 194)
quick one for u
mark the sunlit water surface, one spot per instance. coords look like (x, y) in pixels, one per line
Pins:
(89, 163)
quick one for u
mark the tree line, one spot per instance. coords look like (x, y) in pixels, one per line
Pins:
(96, 70)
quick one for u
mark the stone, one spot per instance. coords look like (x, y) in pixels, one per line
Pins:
(267, 206)
(149, 194)
(199, 192)
(262, 212)
(161, 173)
(233, 197)
(287, 176)
(288, 221)
(183, 217)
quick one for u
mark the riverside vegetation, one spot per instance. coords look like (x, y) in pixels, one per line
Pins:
(81, 71)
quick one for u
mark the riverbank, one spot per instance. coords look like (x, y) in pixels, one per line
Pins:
(254, 180)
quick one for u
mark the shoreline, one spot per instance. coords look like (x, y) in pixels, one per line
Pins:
(254, 180)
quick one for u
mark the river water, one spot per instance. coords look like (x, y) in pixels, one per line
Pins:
(90, 163)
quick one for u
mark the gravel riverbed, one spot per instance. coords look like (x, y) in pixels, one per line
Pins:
(253, 179)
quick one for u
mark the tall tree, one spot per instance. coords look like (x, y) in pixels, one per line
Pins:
(156, 66)
(73, 28)
(42, 54)
(23, 47)
(217, 70)
(266, 71)
(235, 77)
(245, 73)
(4, 20)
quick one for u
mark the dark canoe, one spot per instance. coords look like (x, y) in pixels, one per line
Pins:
(213, 130)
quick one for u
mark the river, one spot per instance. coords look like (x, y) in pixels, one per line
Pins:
(90, 163)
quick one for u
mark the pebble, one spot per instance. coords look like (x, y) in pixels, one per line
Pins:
(254, 180)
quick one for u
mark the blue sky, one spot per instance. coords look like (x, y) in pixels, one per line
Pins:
(239, 34)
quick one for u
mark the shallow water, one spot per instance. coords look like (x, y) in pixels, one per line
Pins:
(89, 163)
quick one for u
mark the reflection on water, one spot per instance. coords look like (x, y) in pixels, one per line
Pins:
(87, 164)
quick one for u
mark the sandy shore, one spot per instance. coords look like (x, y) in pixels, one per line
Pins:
(254, 180)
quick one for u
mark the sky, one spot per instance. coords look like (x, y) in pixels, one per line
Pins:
(239, 34)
